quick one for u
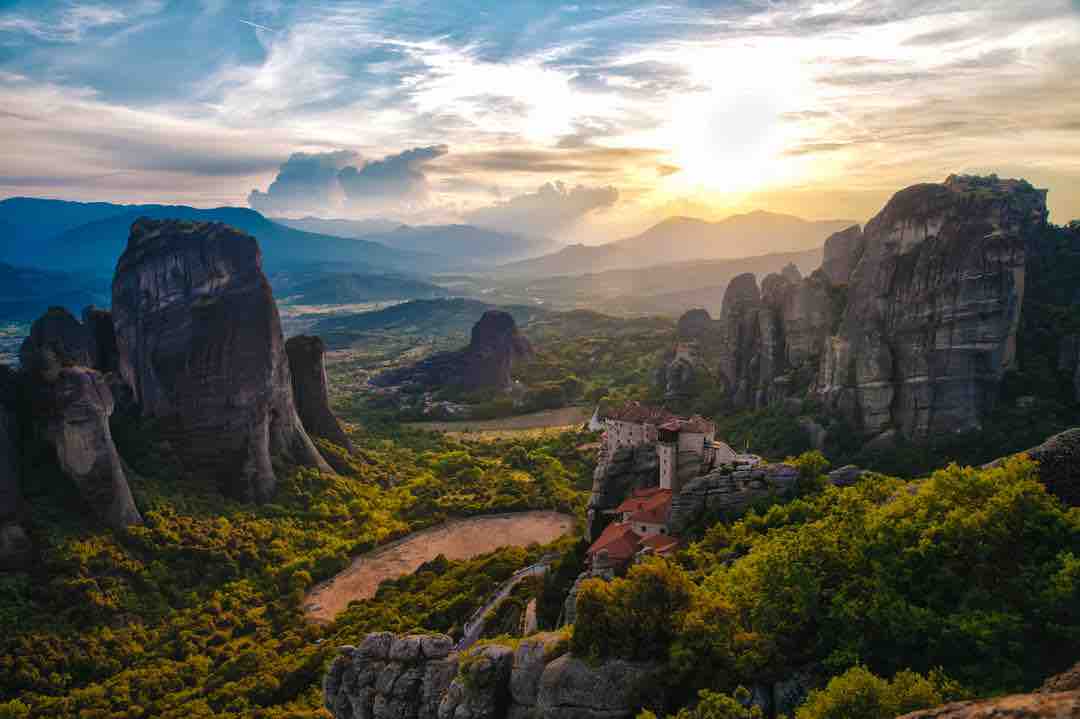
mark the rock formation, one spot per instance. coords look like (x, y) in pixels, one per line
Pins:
(495, 345)
(419, 677)
(200, 344)
(311, 391)
(71, 405)
(1060, 705)
(75, 412)
(14, 542)
(910, 324)
(629, 468)
(731, 490)
(1059, 465)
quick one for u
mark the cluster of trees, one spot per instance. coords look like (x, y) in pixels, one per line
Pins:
(970, 574)
(199, 611)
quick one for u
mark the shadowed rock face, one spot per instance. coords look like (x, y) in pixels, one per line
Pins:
(77, 424)
(200, 344)
(71, 403)
(486, 363)
(310, 389)
(842, 252)
(14, 543)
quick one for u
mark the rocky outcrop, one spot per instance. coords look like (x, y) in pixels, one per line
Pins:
(15, 547)
(628, 468)
(419, 677)
(1066, 681)
(311, 390)
(933, 307)
(842, 252)
(911, 322)
(1060, 705)
(390, 677)
(728, 489)
(1059, 465)
(75, 411)
(71, 403)
(495, 346)
(200, 344)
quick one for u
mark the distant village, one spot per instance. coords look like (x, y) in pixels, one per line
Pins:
(686, 448)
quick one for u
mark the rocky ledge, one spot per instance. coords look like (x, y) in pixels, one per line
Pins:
(420, 677)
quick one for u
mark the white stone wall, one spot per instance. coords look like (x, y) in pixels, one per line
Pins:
(668, 464)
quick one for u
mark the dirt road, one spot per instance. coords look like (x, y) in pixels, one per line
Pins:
(458, 539)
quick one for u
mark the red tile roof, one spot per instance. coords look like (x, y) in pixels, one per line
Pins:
(654, 513)
(645, 498)
(641, 413)
(660, 543)
(618, 540)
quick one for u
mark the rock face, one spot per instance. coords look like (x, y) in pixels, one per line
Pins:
(200, 344)
(76, 420)
(418, 677)
(72, 402)
(629, 468)
(729, 490)
(1061, 705)
(495, 346)
(842, 252)
(311, 391)
(1059, 465)
(14, 543)
(909, 325)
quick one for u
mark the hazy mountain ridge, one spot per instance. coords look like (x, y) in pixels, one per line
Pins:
(463, 245)
(679, 239)
(352, 288)
(74, 236)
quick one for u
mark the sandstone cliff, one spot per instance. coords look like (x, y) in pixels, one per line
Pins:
(908, 327)
(200, 344)
(495, 345)
(420, 677)
(311, 390)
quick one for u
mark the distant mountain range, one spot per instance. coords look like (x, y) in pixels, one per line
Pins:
(353, 288)
(468, 244)
(89, 237)
(680, 239)
(25, 293)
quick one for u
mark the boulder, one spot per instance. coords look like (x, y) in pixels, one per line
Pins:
(572, 689)
(311, 391)
(846, 476)
(482, 690)
(200, 344)
(1066, 681)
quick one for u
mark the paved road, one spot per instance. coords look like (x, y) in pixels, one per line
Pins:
(475, 626)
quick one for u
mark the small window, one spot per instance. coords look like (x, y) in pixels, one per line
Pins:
(643, 528)
(663, 530)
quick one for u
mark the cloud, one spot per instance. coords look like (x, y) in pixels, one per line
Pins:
(396, 177)
(306, 182)
(341, 181)
(548, 211)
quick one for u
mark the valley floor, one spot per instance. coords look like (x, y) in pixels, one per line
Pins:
(458, 539)
(546, 419)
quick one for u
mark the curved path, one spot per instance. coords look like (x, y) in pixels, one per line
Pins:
(456, 539)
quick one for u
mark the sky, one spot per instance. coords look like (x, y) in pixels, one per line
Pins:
(583, 121)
